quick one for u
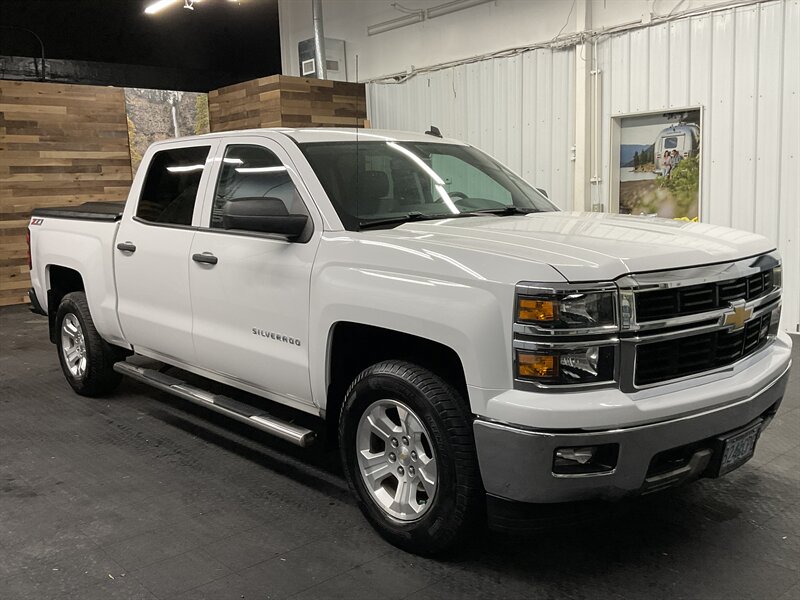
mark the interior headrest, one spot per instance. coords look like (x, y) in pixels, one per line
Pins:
(374, 184)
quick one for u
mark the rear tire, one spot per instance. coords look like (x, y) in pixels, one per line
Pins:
(408, 452)
(87, 360)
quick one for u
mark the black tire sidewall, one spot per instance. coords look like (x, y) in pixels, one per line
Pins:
(430, 533)
(99, 376)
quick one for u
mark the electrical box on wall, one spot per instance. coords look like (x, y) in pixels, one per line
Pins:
(334, 55)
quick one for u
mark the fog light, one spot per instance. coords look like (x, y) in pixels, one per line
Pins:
(578, 455)
(585, 460)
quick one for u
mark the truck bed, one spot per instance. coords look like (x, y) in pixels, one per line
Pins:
(88, 211)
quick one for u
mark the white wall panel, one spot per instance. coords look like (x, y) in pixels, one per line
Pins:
(678, 71)
(788, 214)
(745, 128)
(768, 105)
(742, 66)
(519, 109)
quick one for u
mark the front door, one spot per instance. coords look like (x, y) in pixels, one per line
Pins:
(151, 257)
(250, 291)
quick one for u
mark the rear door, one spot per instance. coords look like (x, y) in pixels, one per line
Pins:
(251, 300)
(152, 251)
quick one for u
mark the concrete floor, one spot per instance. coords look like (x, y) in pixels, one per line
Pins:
(142, 495)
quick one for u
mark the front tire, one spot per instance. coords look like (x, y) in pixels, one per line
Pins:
(409, 457)
(87, 360)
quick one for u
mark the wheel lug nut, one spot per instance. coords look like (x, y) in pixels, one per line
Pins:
(392, 457)
(394, 443)
(405, 441)
(411, 471)
(413, 455)
(400, 470)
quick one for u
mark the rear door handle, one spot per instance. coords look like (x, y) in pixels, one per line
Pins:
(126, 247)
(205, 258)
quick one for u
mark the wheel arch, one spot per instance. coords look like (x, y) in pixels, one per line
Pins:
(354, 346)
(60, 282)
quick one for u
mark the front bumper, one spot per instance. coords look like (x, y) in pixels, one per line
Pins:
(517, 463)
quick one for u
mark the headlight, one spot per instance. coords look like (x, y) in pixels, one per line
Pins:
(566, 334)
(777, 277)
(568, 309)
(560, 365)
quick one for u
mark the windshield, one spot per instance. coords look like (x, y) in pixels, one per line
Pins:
(371, 181)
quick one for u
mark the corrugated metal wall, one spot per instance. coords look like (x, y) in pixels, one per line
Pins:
(518, 109)
(742, 66)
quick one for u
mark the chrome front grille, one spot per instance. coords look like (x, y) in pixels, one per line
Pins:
(684, 323)
(679, 357)
(672, 302)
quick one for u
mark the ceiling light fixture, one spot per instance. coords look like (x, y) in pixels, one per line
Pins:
(412, 16)
(451, 7)
(156, 7)
(396, 23)
(160, 5)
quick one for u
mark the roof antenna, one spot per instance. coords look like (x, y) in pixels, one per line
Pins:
(434, 131)
(357, 128)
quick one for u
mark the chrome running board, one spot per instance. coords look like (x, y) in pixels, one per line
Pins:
(239, 411)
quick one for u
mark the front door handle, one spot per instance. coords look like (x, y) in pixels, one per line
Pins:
(126, 247)
(208, 259)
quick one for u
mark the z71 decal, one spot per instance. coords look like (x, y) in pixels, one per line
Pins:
(37, 221)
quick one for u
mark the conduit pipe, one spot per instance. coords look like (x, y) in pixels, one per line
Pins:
(319, 40)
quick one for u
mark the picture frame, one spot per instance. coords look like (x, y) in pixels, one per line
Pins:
(629, 191)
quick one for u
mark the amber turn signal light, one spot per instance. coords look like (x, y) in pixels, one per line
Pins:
(536, 365)
(531, 309)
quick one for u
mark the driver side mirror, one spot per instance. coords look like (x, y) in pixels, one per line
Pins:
(263, 215)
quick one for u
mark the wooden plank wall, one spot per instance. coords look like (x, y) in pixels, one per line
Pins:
(283, 101)
(59, 145)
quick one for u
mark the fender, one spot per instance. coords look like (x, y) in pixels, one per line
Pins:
(421, 294)
(87, 249)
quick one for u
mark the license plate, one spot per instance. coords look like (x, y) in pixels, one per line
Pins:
(738, 449)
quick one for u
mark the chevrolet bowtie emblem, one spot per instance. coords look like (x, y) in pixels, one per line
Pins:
(737, 316)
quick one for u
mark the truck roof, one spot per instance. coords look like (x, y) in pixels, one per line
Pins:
(328, 134)
(348, 134)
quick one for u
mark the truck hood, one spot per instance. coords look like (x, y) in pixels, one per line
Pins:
(588, 246)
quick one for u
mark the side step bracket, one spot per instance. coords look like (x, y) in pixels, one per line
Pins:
(244, 413)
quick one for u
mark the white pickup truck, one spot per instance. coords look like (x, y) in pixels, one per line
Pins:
(470, 346)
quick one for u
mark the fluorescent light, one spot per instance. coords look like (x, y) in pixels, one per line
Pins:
(451, 7)
(260, 169)
(185, 169)
(395, 23)
(159, 6)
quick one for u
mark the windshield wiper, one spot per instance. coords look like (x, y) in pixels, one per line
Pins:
(411, 216)
(418, 216)
(506, 210)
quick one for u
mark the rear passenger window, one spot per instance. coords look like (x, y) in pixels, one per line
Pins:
(250, 172)
(170, 186)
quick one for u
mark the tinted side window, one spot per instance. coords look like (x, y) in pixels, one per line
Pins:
(250, 172)
(170, 186)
